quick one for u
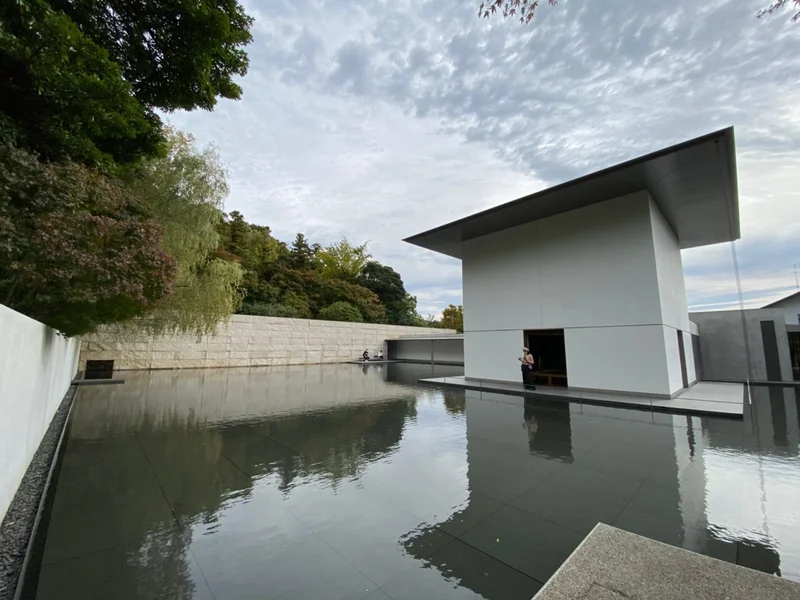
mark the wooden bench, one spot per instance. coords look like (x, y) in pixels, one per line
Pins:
(551, 377)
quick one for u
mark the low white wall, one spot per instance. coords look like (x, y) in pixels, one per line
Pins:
(36, 367)
(247, 341)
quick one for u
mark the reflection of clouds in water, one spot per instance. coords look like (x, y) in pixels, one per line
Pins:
(755, 498)
(435, 486)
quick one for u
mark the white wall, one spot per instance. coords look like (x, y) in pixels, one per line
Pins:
(493, 355)
(610, 275)
(36, 368)
(625, 359)
(791, 310)
(669, 267)
(590, 267)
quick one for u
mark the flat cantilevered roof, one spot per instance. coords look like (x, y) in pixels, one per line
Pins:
(693, 183)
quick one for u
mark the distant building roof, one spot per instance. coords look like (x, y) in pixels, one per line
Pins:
(782, 300)
(693, 183)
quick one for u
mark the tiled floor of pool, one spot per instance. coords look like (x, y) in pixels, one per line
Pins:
(331, 482)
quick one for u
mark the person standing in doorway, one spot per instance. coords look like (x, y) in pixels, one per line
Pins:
(527, 369)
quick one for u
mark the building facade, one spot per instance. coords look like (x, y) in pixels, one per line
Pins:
(790, 305)
(589, 273)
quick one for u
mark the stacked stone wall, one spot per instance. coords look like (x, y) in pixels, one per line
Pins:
(246, 341)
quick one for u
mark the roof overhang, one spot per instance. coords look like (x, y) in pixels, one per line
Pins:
(779, 303)
(693, 183)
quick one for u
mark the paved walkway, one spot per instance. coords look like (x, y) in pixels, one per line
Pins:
(612, 564)
(704, 397)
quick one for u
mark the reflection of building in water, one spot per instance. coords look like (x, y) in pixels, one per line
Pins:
(740, 480)
(549, 431)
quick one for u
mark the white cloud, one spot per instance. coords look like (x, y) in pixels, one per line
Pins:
(377, 119)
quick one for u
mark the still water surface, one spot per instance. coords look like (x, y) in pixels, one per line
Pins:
(347, 482)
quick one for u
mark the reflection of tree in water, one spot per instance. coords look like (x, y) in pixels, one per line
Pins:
(340, 443)
(200, 468)
(455, 402)
(549, 428)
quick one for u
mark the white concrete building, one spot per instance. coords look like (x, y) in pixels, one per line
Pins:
(790, 305)
(589, 274)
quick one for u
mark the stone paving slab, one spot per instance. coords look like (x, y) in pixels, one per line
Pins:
(703, 398)
(612, 564)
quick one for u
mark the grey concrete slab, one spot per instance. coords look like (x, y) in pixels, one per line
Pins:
(704, 398)
(611, 563)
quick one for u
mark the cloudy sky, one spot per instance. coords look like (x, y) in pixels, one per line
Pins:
(378, 119)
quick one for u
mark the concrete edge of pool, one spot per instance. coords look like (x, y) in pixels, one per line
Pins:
(613, 564)
(703, 398)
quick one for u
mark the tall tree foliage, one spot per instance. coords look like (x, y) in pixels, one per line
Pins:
(62, 97)
(76, 249)
(177, 54)
(80, 81)
(453, 318)
(303, 279)
(386, 283)
(184, 191)
(343, 260)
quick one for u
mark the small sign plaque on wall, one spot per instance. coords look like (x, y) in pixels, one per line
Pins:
(99, 369)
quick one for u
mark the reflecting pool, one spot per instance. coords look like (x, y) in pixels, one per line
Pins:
(347, 482)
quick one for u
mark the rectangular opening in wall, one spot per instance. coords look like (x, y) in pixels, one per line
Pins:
(794, 353)
(99, 369)
(547, 347)
(698, 363)
(682, 352)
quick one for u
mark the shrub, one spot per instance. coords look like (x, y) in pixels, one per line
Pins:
(76, 249)
(341, 311)
(264, 309)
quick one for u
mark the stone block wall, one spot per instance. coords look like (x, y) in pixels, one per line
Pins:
(247, 341)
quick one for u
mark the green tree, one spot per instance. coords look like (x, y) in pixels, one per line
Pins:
(235, 234)
(386, 283)
(367, 303)
(302, 256)
(185, 190)
(453, 318)
(341, 311)
(264, 309)
(343, 260)
(77, 249)
(62, 97)
(177, 54)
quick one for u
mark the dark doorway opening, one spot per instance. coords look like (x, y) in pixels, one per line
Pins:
(794, 352)
(549, 352)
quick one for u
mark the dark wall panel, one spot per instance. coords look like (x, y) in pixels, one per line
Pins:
(771, 350)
